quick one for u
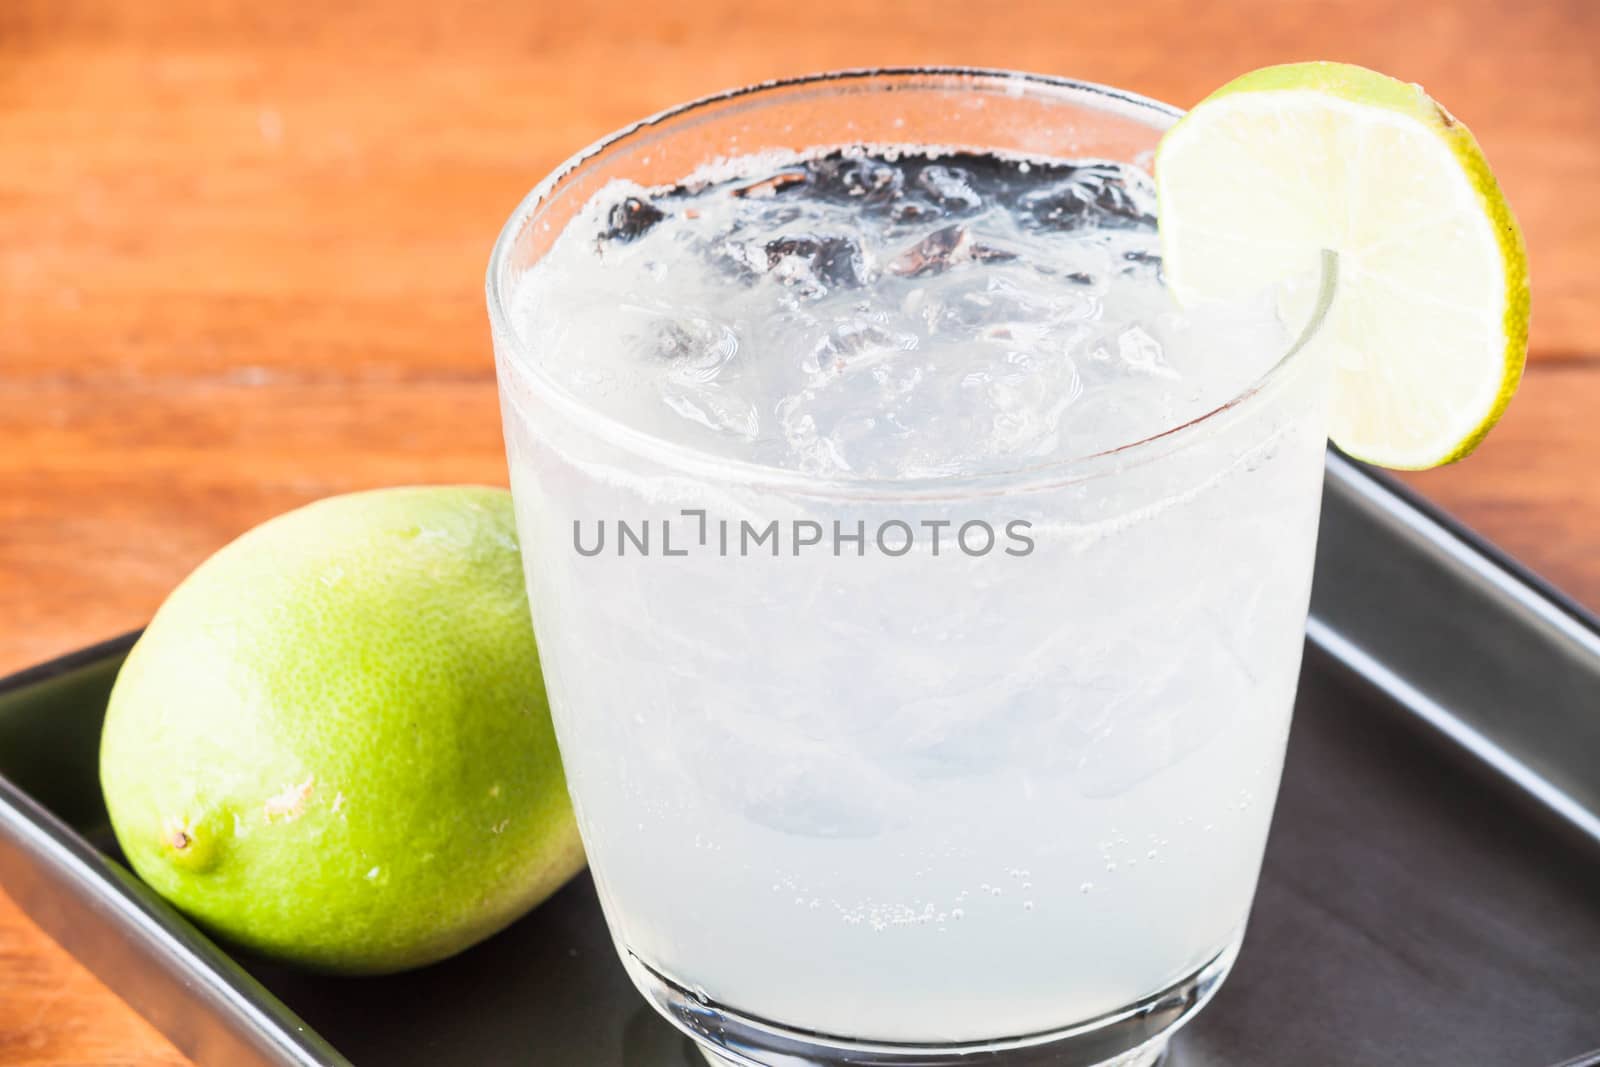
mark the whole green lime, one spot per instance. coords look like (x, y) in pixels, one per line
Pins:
(333, 746)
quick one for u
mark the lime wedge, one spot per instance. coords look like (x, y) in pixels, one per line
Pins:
(1429, 326)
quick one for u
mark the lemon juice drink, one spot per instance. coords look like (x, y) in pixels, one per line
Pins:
(920, 593)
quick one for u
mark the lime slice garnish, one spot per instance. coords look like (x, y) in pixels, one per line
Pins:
(1429, 326)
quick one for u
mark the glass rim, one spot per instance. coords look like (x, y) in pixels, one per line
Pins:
(690, 459)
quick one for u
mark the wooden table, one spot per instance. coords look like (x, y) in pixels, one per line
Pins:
(242, 248)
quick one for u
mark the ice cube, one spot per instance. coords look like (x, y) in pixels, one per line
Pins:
(817, 264)
(698, 347)
(1142, 353)
(910, 211)
(951, 188)
(629, 219)
(840, 347)
(1094, 195)
(716, 409)
(984, 253)
(857, 178)
(933, 254)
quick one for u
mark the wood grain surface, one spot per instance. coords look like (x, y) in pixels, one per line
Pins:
(242, 248)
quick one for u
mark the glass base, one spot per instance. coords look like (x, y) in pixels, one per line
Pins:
(1147, 1056)
(1134, 1036)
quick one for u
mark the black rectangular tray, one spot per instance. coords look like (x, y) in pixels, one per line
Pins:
(1431, 893)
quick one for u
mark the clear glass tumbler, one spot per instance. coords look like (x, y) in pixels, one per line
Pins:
(872, 807)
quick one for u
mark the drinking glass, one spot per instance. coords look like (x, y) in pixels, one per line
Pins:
(871, 806)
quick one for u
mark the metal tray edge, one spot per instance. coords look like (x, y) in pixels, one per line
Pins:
(1467, 553)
